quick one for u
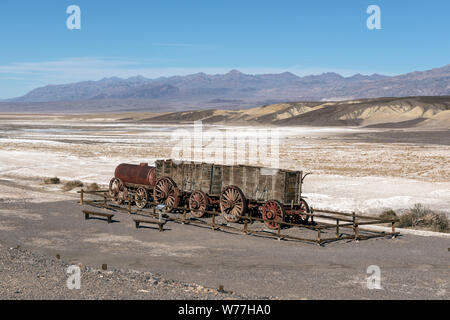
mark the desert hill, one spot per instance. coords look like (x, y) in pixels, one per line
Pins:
(381, 112)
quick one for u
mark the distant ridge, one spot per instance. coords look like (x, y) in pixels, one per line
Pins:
(231, 90)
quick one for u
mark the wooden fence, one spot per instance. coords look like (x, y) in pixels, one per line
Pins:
(339, 221)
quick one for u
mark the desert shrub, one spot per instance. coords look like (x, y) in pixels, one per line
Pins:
(70, 185)
(419, 216)
(406, 220)
(93, 187)
(54, 180)
(419, 211)
(441, 223)
(413, 216)
(388, 214)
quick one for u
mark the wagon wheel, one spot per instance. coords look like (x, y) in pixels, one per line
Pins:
(123, 193)
(116, 190)
(305, 208)
(232, 203)
(273, 210)
(141, 198)
(198, 202)
(166, 192)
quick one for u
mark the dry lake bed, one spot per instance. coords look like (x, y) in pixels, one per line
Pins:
(353, 169)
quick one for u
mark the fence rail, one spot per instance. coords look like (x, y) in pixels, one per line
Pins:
(353, 222)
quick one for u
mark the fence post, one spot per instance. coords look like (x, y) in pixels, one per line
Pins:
(154, 211)
(319, 240)
(393, 229)
(213, 223)
(337, 228)
(355, 226)
(104, 202)
(245, 224)
(81, 197)
(184, 215)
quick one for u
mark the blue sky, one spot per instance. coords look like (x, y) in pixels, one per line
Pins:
(168, 37)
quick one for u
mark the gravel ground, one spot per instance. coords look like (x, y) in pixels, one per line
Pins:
(412, 267)
(28, 275)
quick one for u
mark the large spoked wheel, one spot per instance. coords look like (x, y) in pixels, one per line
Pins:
(141, 198)
(117, 191)
(273, 210)
(167, 193)
(233, 203)
(198, 202)
(305, 208)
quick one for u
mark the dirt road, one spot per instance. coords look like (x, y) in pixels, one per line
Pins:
(412, 267)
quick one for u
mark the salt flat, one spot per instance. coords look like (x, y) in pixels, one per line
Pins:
(348, 172)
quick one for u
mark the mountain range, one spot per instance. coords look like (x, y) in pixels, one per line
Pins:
(233, 90)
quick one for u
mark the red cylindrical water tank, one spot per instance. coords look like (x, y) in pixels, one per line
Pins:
(136, 174)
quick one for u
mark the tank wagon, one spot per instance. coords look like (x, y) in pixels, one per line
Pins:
(235, 191)
(134, 179)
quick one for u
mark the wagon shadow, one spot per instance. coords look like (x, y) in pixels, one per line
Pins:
(275, 237)
(103, 219)
(204, 225)
(229, 229)
(110, 207)
(152, 228)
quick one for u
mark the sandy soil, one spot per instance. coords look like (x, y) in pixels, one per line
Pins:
(412, 267)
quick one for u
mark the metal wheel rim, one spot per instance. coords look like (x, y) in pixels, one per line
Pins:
(273, 210)
(232, 203)
(166, 192)
(141, 198)
(115, 188)
(304, 206)
(198, 202)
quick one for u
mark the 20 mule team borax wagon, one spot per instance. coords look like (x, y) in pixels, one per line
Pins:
(273, 194)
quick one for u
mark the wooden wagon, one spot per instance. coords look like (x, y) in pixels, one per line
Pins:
(236, 191)
(274, 194)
